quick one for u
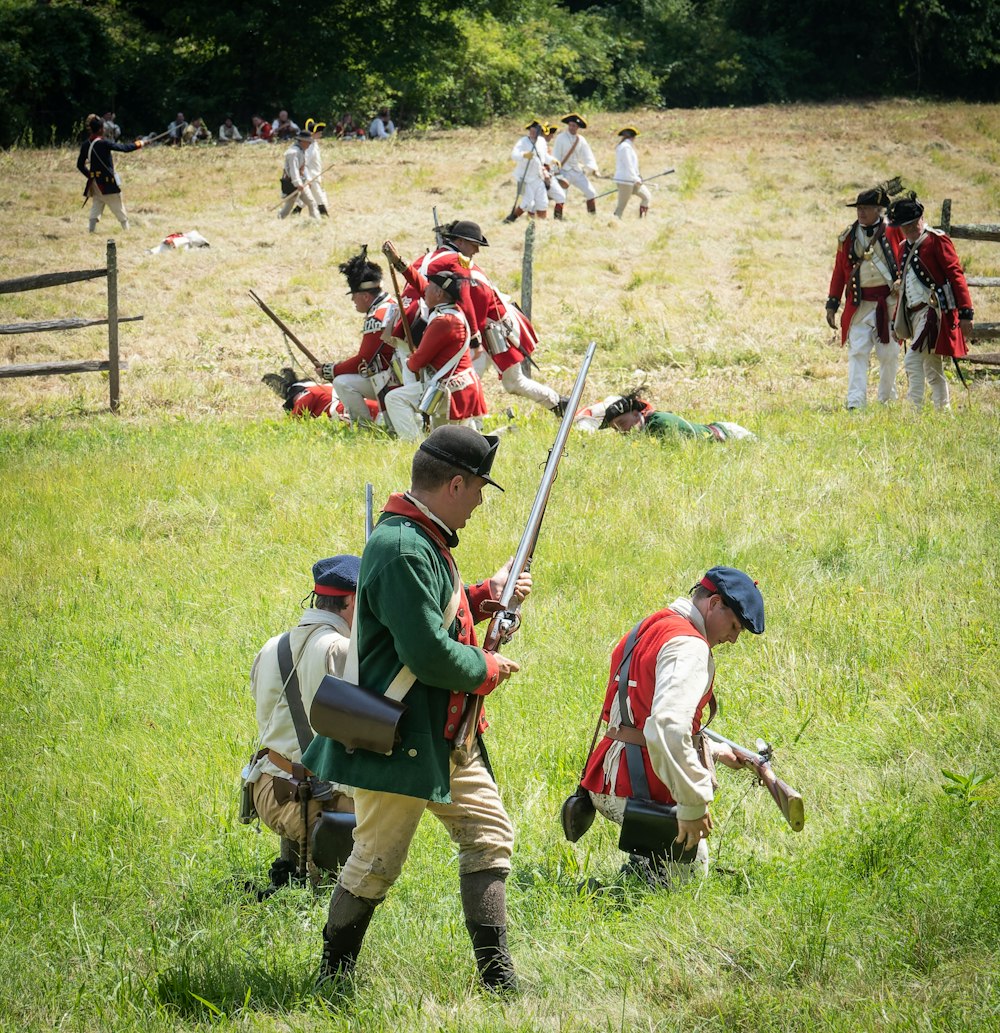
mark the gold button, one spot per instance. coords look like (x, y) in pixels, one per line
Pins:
(411, 753)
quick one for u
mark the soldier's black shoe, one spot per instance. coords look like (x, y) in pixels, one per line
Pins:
(297, 210)
(493, 960)
(343, 935)
(323, 211)
(559, 409)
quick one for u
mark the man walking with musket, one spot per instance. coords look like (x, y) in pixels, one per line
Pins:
(97, 164)
(576, 160)
(867, 266)
(415, 636)
(294, 179)
(934, 312)
(531, 153)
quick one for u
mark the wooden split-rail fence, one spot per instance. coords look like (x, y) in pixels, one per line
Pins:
(112, 365)
(981, 231)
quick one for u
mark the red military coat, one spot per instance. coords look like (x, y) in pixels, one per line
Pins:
(490, 306)
(317, 400)
(443, 259)
(446, 335)
(936, 264)
(654, 632)
(373, 352)
(888, 239)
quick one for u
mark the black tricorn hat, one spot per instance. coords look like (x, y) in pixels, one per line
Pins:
(574, 117)
(465, 229)
(448, 282)
(361, 275)
(464, 448)
(905, 211)
(876, 197)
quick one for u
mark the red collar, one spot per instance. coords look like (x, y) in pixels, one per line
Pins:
(399, 505)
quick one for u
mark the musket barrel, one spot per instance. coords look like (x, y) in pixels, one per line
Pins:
(527, 544)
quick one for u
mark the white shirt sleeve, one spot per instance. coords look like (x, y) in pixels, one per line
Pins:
(684, 670)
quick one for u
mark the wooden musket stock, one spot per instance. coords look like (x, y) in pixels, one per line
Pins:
(284, 329)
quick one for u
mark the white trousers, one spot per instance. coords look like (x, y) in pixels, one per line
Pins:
(579, 180)
(534, 197)
(923, 370)
(352, 389)
(626, 191)
(516, 383)
(98, 201)
(862, 337)
(303, 197)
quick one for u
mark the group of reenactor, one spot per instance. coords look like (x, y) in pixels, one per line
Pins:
(425, 343)
(549, 161)
(904, 284)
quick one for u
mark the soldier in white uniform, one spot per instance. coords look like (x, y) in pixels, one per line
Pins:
(314, 167)
(576, 159)
(295, 176)
(531, 154)
(627, 174)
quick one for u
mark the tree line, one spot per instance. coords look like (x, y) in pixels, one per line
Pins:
(467, 61)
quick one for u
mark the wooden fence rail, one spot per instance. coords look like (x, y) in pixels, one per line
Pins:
(975, 231)
(112, 365)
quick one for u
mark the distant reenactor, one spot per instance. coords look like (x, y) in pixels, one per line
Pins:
(627, 174)
(97, 164)
(867, 267)
(531, 171)
(576, 159)
(294, 177)
(934, 313)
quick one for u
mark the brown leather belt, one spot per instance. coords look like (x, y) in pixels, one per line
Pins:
(629, 735)
(916, 308)
(279, 760)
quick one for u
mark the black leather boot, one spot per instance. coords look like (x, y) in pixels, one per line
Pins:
(484, 901)
(343, 934)
(323, 211)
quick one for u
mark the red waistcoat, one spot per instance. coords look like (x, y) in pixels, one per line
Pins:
(655, 631)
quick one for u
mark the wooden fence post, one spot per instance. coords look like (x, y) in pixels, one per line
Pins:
(527, 268)
(946, 215)
(113, 387)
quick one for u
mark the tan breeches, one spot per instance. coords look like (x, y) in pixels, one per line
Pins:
(475, 820)
(98, 201)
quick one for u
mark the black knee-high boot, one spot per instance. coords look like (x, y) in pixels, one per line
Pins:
(484, 901)
(344, 933)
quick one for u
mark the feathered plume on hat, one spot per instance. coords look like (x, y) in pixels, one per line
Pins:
(361, 275)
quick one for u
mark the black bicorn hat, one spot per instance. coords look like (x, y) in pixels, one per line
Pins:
(464, 448)
(448, 282)
(336, 575)
(905, 210)
(740, 593)
(876, 197)
(361, 275)
(465, 229)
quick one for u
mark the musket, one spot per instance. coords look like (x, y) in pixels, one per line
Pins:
(369, 512)
(506, 611)
(647, 180)
(388, 250)
(788, 800)
(520, 183)
(438, 236)
(284, 329)
(298, 190)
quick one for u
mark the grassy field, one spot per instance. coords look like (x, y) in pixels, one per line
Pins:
(148, 556)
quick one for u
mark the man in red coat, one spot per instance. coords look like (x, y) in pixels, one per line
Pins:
(867, 265)
(368, 374)
(501, 332)
(443, 360)
(934, 312)
(661, 681)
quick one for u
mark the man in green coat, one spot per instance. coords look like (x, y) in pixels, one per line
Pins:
(414, 620)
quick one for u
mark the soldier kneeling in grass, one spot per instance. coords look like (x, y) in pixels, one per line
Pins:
(653, 772)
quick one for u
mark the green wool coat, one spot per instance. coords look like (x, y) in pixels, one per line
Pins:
(404, 588)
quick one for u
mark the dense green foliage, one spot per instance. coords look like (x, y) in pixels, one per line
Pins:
(469, 60)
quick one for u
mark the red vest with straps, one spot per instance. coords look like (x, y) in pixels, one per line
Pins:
(654, 632)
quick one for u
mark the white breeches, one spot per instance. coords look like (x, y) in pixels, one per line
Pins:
(862, 337)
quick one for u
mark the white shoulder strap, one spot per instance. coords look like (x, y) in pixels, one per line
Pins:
(403, 682)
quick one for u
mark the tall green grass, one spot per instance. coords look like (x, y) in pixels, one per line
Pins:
(145, 564)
